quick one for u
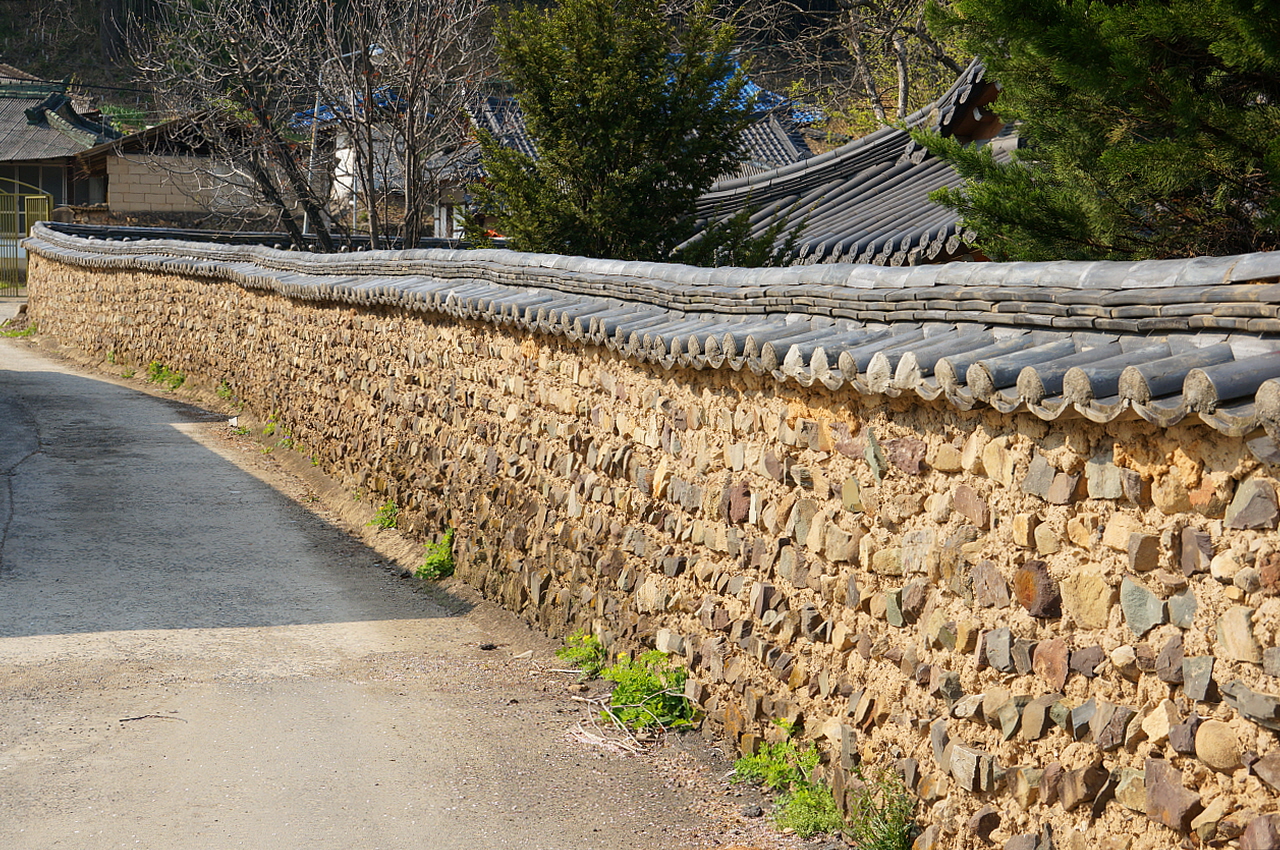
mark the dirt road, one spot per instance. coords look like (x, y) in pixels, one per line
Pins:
(191, 659)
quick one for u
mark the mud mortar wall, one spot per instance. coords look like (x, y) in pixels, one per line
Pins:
(1065, 627)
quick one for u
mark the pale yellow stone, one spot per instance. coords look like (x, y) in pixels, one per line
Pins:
(1082, 529)
(1023, 529)
(1156, 725)
(1047, 540)
(971, 455)
(946, 458)
(841, 637)
(997, 460)
(1087, 597)
(1119, 527)
(967, 636)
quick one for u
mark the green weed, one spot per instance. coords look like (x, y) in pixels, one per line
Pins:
(438, 563)
(269, 429)
(584, 651)
(808, 810)
(802, 805)
(29, 330)
(224, 391)
(648, 692)
(881, 813)
(127, 374)
(779, 766)
(386, 516)
(158, 373)
(241, 431)
(111, 357)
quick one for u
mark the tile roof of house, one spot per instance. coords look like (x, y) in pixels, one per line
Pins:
(868, 201)
(41, 125)
(772, 140)
(10, 74)
(1167, 341)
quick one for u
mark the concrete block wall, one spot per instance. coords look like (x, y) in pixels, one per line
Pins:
(161, 184)
(1063, 635)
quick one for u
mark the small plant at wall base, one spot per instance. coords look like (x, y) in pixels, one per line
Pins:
(881, 812)
(438, 563)
(649, 692)
(386, 516)
(158, 373)
(584, 651)
(804, 806)
(29, 330)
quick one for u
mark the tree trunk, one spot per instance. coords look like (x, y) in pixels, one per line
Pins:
(900, 53)
(864, 70)
(262, 176)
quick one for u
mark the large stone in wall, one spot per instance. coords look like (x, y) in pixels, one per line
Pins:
(1036, 591)
(1254, 506)
(1235, 639)
(1088, 597)
(1169, 801)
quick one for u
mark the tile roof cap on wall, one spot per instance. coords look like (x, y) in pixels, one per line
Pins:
(1168, 341)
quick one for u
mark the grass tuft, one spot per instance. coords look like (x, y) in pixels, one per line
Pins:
(438, 563)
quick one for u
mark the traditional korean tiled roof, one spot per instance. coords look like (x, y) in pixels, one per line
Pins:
(1168, 341)
(39, 125)
(771, 140)
(868, 201)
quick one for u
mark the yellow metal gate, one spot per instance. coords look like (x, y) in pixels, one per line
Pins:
(18, 212)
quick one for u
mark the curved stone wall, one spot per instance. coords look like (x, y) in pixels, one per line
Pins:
(1054, 608)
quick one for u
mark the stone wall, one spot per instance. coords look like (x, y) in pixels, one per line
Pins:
(1058, 629)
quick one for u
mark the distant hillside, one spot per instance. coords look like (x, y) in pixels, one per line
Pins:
(52, 40)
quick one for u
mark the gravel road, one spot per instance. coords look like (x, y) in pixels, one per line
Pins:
(194, 653)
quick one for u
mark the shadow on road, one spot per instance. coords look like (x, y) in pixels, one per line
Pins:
(117, 518)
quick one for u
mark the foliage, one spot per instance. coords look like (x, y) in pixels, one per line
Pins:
(29, 330)
(779, 766)
(1151, 128)
(438, 563)
(632, 121)
(224, 391)
(730, 243)
(126, 119)
(386, 516)
(867, 63)
(648, 692)
(584, 651)
(808, 810)
(247, 78)
(881, 813)
(803, 804)
(158, 373)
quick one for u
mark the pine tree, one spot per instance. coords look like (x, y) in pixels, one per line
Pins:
(632, 121)
(1150, 128)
